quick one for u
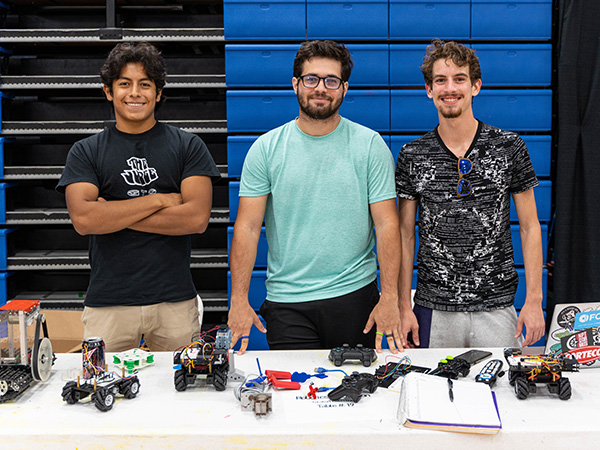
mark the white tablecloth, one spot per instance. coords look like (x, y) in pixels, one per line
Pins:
(160, 417)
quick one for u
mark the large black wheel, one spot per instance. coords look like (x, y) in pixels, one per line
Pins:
(180, 383)
(104, 399)
(220, 379)
(564, 389)
(521, 388)
(70, 394)
(130, 388)
(512, 376)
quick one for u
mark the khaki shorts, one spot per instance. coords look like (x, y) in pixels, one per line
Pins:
(165, 326)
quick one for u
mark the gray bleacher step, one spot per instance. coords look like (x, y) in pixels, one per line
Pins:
(10, 128)
(216, 301)
(78, 259)
(53, 172)
(93, 81)
(32, 172)
(59, 216)
(82, 35)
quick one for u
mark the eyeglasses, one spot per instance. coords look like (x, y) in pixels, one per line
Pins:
(312, 81)
(463, 188)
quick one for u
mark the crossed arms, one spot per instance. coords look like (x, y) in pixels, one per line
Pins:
(172, 214)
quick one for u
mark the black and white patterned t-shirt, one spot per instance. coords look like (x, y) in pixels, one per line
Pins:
(465, 258)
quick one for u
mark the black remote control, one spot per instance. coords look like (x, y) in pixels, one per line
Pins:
(490, 372)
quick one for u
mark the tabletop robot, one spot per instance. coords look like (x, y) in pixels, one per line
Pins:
(18, 369)
(206, 357)
(525, 371)
(102, 389)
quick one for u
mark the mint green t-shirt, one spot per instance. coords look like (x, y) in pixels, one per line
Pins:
(318, 225)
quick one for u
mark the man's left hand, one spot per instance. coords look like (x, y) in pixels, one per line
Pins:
(532, 317)
(387, 317)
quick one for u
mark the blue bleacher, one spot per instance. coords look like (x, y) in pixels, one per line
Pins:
(2, 141)
(250, 19)
(515, 64)
(393, 19)
(3, 188)
(387, 40)
(4, 246)
(521, 19)
(402, 110)
(272, 108)
(426, 19)
(272, 65)
(361, 19)
(397, 64)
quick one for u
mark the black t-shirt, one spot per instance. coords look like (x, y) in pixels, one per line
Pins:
(130, 267)
(465, 255)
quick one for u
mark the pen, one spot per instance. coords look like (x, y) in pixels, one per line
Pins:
(450, 392)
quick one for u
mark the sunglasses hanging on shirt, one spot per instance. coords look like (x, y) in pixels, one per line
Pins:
(463, 188)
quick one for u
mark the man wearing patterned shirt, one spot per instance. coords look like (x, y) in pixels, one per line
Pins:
(461, 176)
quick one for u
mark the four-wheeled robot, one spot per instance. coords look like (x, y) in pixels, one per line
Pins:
(102, 389)
(19, 369)
(206, 357)
(525, 371)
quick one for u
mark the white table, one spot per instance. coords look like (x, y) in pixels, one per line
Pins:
(200, 417)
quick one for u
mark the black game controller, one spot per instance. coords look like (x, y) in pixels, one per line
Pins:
(353, 386)
(452, 368)
(340, 354)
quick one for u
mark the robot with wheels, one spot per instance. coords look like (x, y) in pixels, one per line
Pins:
(19, 369)
(206, 357)
(102, 389)
(527, 370)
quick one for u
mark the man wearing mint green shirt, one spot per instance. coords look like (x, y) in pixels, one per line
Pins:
(321, 183)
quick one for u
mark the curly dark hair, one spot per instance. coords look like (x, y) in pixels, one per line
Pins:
(324, 49)
(457, 53)
(143, 53)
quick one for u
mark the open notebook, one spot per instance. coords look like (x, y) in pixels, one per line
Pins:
(425, 403)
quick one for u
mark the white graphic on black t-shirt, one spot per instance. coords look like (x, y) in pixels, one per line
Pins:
(139, 174)
(465, 254)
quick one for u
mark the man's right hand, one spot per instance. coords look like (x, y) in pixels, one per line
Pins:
(171, 199)
(240, 321)
(409, 324)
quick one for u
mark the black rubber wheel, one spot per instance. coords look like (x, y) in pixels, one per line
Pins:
(512, 376)
(70, 394)
(220, 379)
(104, 399)
(130, 388)
(180, 383)
(564, 389)
(521, 388)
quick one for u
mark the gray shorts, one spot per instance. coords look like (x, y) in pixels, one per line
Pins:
(439, 329)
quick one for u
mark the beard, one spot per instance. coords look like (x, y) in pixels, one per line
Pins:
(450, 114)
(319, 113)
